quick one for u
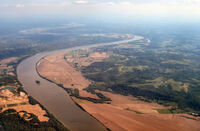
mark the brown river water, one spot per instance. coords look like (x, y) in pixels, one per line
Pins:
(55, 99)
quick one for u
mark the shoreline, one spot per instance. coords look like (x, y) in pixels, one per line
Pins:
(131, 109)
(27, 76)
(68, 93)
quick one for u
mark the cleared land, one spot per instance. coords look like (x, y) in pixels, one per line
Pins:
(11, 98)
(124, 112)
(128, 113)
(55, 68)
(20, 103)
(33, 109)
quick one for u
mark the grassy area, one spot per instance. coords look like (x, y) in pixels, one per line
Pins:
(137, 112)
(23, 103)
(191, 118)
(164, 111)
(11, 105)
(169, 111)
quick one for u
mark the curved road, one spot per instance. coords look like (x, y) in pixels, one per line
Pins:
(56, 100)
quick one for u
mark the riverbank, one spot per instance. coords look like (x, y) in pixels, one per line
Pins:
(124, 112)
(55, 99)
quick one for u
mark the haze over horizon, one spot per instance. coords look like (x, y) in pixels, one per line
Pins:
(176, 10)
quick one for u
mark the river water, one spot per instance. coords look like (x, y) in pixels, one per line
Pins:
(55, 99)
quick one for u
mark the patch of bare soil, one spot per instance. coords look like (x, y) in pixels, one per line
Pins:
(5, 68)
(4, 62)
(86, 60)
(20, 102)
(128, 113)
(34, 109)
(7, 97)
(131, 103)
(56, 69)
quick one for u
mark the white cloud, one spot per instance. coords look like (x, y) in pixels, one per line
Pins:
(111, 8)
(127, 3)
(20, 5)
(111, 3)
(80, 2)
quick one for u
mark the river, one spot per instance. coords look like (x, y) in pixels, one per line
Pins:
(55, 99)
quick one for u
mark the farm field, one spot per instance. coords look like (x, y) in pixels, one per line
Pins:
(115, 111)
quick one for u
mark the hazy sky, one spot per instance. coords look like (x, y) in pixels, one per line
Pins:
(179, 9)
